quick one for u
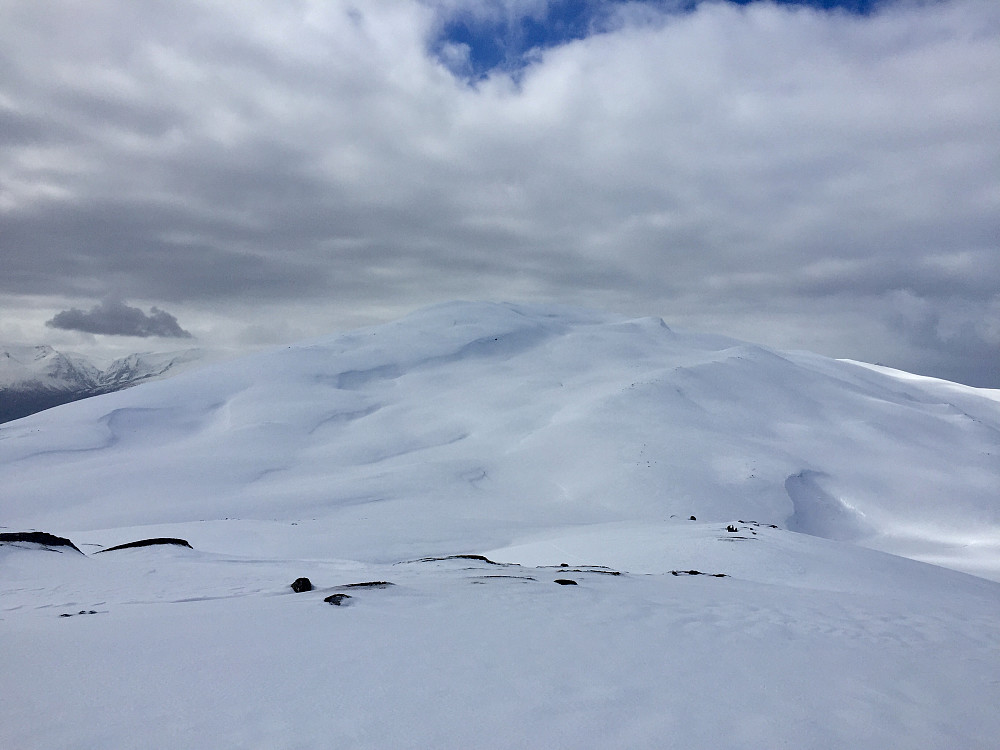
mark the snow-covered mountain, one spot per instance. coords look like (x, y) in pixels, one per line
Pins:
(718, 512)
(35, 378)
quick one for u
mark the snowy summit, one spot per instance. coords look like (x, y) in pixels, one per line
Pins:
(742, 534)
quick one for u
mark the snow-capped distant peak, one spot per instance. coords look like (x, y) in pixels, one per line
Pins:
(135, 368)
(34, 378)
(22, 365)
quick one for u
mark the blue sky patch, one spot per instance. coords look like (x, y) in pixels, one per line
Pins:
(474, 45)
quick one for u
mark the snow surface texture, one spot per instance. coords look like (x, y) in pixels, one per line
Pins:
(537, 437)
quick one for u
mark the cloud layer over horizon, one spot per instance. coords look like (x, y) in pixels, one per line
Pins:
(797, 177)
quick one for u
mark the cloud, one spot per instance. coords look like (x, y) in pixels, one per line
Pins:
(114, 318)
(763, 171)
(957, 339)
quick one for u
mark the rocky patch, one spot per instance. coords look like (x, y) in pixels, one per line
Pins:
(697, 573)
(478, 558)
(50, 542)
(149, 543)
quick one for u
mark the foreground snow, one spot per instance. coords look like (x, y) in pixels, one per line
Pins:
(806, 644)
(535, 437)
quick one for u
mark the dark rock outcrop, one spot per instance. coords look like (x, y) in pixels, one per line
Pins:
(149, 543)
(597, 570)
(49, 541)
(697, 573)
(478, 558)
(565, 582)
(301, 584)
(339, 598)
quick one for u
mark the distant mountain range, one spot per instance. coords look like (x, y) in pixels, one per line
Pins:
(35, 378)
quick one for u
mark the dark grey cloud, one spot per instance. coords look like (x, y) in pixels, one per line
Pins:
(946, 334)
(780, 175)
(113, 317)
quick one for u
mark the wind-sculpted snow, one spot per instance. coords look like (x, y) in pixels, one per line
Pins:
(707, 504)
(519, 416)
(820, 513)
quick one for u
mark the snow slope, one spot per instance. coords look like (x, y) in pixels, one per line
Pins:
(538, 437)
(529, 416)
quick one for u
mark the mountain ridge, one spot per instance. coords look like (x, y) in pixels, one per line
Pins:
(35, 378)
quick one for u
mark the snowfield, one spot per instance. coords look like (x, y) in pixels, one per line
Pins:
(725, 511)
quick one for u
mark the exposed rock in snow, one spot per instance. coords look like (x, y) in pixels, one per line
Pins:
(40, 538)
(149, 543)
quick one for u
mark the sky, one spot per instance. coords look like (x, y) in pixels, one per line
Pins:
(807, 175)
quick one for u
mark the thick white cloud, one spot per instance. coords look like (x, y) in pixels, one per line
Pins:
(793, 176)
